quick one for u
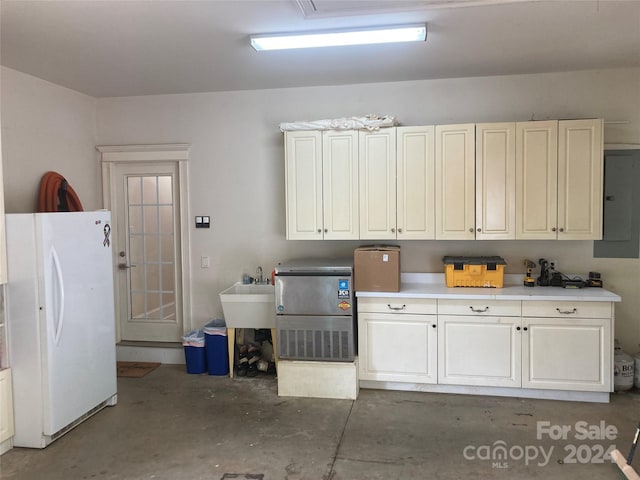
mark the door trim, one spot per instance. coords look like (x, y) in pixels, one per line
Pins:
(170, 153)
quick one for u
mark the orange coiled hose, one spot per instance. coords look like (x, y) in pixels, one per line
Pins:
(56, 195)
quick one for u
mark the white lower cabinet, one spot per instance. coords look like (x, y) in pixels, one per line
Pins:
(6, 408)
(567, 350)
(479, 343)
(479, 351)
(544, 345)
(396, 345)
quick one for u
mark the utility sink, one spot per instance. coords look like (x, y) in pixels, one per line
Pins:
(249, 306)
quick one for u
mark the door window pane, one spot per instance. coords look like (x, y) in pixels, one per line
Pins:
(151, 247)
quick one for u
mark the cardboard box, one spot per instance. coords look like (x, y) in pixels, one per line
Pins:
(376, 268)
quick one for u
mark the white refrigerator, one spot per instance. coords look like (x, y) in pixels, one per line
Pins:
(61, 321)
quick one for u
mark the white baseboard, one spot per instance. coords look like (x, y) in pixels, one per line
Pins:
(572, 396)
(6, 445)
(160, 354)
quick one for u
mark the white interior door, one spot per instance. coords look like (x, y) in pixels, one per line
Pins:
(148, 249)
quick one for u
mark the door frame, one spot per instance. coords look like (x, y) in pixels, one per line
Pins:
(174, 153)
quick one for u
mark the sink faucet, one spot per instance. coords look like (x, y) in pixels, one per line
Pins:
(259, 278)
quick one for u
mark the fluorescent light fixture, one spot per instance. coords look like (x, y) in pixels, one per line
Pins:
(364, 36)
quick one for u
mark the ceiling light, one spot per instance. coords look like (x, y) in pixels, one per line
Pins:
(365, 36)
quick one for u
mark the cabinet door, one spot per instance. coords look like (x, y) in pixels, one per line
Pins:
(397, 347)
(536, 180)
(567, 354)
(340, 185)
(3, 240)
(377, 164)
(303, 173)
(6, 405)
(495, 181)
(455, 182)
(482, 351)
(416, 183)
(580, 175)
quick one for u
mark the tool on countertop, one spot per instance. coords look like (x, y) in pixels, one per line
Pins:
(544, 279)
(529, 281)
(594, 280)
(549, 276)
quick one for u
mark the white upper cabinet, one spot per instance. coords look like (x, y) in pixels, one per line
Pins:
(340, 185)
(495, 181)
(580, 176)
(455, 182)
(377, 164)
(416, 183)
(321, 172)
(559, 171)
(303, 172)
(536, 180)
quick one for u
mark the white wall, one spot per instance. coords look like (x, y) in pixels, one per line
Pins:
(47, 127)
(237, 167)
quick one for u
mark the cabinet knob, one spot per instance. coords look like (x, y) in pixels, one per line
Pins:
(399, 230)
(479, 229)
(525, 329)
(471, 229)
(518, 328)
(553, 229)
(326, 230)
(319, 230)
(561, 229)
(433, 326)
(393, 230)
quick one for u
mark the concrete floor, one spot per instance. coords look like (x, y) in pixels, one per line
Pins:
(170, 425)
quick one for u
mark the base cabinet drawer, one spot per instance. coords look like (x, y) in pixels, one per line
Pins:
(567, 309)
(397, 348)
(419, 306)
(508, 308)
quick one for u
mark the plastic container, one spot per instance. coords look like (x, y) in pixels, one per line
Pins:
(622, 369)
(195, 352)
(215, 339)
(474, 271)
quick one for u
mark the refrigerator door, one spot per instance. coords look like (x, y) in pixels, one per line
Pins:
(77, 321)
(313, 295)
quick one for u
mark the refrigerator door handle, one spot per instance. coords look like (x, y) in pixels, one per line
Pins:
(58, 270)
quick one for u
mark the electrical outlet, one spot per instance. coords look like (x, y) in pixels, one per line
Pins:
(553, 265)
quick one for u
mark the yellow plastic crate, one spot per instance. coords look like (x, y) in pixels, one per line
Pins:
(474, 271)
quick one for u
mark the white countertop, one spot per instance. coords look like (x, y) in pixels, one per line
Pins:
(432, 285)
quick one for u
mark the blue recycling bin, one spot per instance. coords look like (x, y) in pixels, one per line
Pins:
(195, 352)
(215, 338)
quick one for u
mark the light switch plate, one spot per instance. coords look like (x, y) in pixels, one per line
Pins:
(203, 221)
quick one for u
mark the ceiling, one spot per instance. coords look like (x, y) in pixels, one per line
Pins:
(122, 48)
